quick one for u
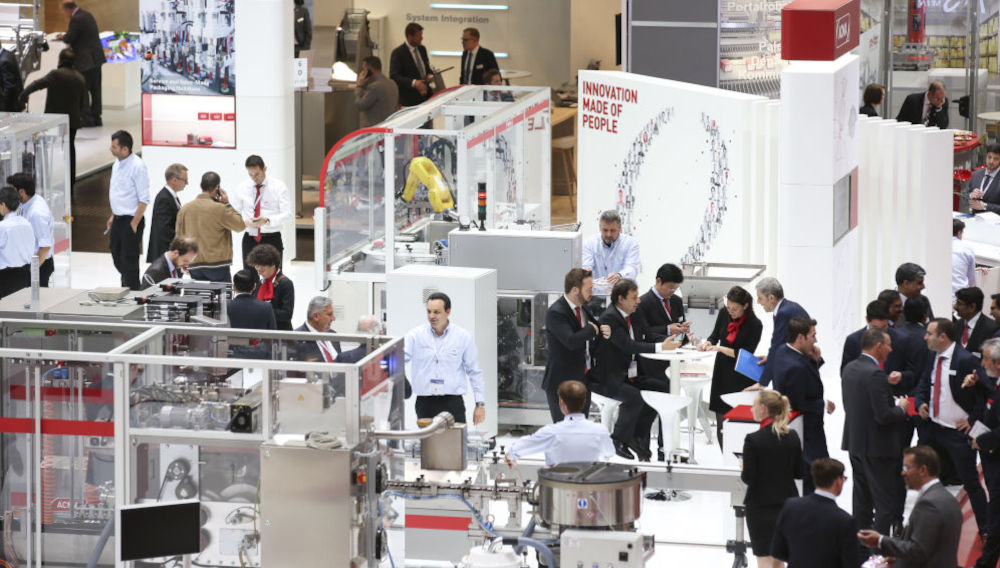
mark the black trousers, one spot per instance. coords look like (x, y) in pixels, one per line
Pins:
(991, 548)
(431, 406)
(14, 279)
(644, 426)
(273, 239)
(126, 247)
(874, 500)
(635, 417)
(93, 80)
(955, 446)
(45, 272)
(552, 397)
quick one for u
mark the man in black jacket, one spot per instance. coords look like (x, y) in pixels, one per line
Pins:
(662, 312)
(972, 326)
(988, 444)
(165, 208)
(244, 310)
(173, 263)
(476, 59)
(569, 330)
(870, 433)
(929, 109)
(83, 37)
(903, 364)
(410, 68)
(10, 81)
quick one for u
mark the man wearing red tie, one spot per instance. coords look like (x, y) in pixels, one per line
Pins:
(662, 311)
(973, 326)
(173, 263)
(265, 206)
(949, 411)
(319, 316)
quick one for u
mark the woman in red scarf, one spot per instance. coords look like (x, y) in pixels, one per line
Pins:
(736, 328)
(274, 286)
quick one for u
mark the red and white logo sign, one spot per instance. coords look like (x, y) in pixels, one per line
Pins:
(843, 30)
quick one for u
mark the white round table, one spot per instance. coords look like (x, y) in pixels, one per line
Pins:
(508, 74)
(676, 357)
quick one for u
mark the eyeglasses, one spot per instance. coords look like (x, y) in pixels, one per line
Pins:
(843, 477)
(908, 467)
(185, 180)
(465, 39)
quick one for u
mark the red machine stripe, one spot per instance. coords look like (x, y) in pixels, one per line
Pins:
(437, 523)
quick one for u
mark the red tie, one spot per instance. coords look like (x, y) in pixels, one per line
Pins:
(937, 387)
(586, 359)
(965, 335)
(256, 213)
(173, 273)
(628, 321)
(579, 316)
(666, 305)
(327, 356)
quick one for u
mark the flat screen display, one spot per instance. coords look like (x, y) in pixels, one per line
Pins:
(151, 531)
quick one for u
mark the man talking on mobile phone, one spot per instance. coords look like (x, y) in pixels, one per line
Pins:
(265, 206)
(210, 220)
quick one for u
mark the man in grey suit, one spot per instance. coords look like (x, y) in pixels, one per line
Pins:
(983, 191)
(376, 95)
(930, 538)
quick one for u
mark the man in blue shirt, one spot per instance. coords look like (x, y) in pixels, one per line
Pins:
(17, 244)
(129, 196)
(573, 439)
(441, 360)
(36, 211)
(612, 255)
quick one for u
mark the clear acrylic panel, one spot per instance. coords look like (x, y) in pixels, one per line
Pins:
(354, 189)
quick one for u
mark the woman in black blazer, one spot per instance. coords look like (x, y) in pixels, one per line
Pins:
(736, 328)
(772, 461)
(274, 286)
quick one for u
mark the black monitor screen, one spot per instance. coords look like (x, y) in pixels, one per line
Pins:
(150, 531)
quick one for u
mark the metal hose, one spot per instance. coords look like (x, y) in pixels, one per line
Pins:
(440, 422)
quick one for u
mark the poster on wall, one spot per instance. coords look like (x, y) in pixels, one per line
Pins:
(187, 47)
(750, 46)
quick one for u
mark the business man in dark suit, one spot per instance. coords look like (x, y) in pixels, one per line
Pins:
(10, 81)
(173, 263)
(165, 208)
(949, 411)
(662, 312)
(973, 327)
(982, 190)
(410, 68)
(569, 331)
(319, 316)
(870, 433)
(796, 375)
(930, 538)
(771, 297)
(244, 310)
(905, 362)
(988, 445)
(83, 37)
(476, 59)
(615, 373)
(812, 531)
(929, 108)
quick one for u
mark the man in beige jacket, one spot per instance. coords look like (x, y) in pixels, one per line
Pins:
(210, 220)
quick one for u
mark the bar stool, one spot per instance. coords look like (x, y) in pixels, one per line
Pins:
(666, 406)
(608, 408)
(694, 386)
(565, 147)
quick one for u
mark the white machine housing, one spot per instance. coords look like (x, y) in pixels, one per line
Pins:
(552, 255)
(606, 549)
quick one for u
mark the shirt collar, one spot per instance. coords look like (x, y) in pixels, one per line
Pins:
(430, 330)
(655, 293)
(975, 318)
(826, 494)
(574, 416)
(872, 358)
(622, 312)
(949, 352)
(170, 265)
(311, 328)
(572, 306)
(926, 486)
(790, 346)
(778, 305)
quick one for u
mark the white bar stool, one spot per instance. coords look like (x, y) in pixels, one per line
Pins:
(609, 409)
(694, 387)
(666, 406)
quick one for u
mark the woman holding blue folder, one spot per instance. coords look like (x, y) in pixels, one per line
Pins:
(736, 328)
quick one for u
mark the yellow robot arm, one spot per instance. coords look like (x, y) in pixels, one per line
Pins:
(423, 171)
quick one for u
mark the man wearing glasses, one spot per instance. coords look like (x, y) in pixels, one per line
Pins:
(165, 209)
(476, 59)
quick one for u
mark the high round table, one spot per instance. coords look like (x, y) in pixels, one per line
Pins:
(676, 357)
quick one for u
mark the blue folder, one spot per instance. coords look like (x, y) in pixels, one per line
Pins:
(747, 365)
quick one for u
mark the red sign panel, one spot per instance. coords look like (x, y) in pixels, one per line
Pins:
(202, 116)
(216, 116)
(819, 30)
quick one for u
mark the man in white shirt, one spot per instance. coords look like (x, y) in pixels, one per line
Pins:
(17, 244)
(128, 194)
(441, 362)
(264, 204)
(573, 439)
(963, 259)
(611, 255)
(36, 211)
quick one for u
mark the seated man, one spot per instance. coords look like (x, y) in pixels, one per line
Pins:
(244, 310)
(319, 316)
(173, 263)
(573, 439)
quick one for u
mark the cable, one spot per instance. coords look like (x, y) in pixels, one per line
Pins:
(475, 513)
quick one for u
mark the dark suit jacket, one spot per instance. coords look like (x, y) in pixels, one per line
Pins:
(10, 81)
(403, 70)
(797, 377)
(157, 272)
(485, 60)
(309, 351)
(984, 329)
(614, 355)
(813, 532)
(725, 379)
(567, 343)
(283, 302)
(770, 467)
(930, 538)
(67, 93)
(907, 357)
(870, 428)
(962, 362)
(82, 35)
(989, 442)
(656, 327)
(164, 224)
(913, 110)
(868, 110)
(247, 312)
(991, 193)
(786, 311)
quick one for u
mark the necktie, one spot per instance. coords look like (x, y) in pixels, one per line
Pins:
(256, 213)
(628, 322)
(579, 316)
(178, 200)
(986, 181)
(468, 68)
(666, 305)
(937, 388)
(586, 359)
(173, 273)
(420, 63)
(327, 352)
(965, 334)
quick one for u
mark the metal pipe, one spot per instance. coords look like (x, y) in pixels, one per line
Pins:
(440, 422)
(95, 555)
(550, 559)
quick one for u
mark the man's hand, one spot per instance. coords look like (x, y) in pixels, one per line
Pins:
(614, 278)
(60, 36)
(924, 411)
(970, 380)
(110, 219)
(753, 387)
(223, 197)
(895, 377)
(904, 403)
(817, 355)
(830, 407)
(594, 326)
(763, 359)
(669, 345)
(478, 415)
(962, 425)
(976, 194)
(869, 538)
(975, 444)
(606, 331)
(363, 77)
(510, 460)
(977, 205)
(135, 224)
(421, 87)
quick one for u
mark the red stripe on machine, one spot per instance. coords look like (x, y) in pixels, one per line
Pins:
(61, 394)
(480, 139)
(58, 427)
(437, 523)
(537, 108)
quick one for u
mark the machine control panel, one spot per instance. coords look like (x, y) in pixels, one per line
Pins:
(602, 549)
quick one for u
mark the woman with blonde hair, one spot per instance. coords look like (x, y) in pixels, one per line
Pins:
(772, 461)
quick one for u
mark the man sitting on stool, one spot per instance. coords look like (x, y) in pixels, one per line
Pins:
(573, 439)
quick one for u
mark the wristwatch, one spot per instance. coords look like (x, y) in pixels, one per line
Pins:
(480, 405)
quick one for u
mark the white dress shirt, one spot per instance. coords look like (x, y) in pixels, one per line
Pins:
(622, 257)
(37, 212)
(326, 348)
(963, 265)
(274, 203)
(972, 325)
(17, 241)
(574, 439)
(826, 494)
(443, 364)
(949, 412)
(470, 65)
(129, 185)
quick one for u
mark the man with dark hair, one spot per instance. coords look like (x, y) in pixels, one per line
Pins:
(572, 439)
(211, 220)
(910, 282)
(569, 330)
(963, 259)
(932, 534)
(128, 194)
(264, 203)
(442, 361)
(616, 373)
(66, 93)
(612, 255)
(771, 297)
(916, 314)
(982, 191)
(11, 84)
(929, 108)
(949, 411)
(973, 327)
(796, 375)
(893, 300)
(34, 208)
(172, 264)
(903, 363)
(303, 28)
(83, 37)
(165, 208)
(17, 244)
(376, 96)
(812, 531)
(475, 59)
(244, 310)
(662, 312)
(410, 68)
(871, 432)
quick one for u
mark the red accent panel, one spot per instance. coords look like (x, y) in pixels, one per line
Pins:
(819, 30)
(480, 139)
(19, 499)
(329, 155)
(437, 523)
(17, 425)
(744, 413)
(99, 396)
(147, 118)
(58, 427)
(537, 108)
(60, 246)
(202, 116)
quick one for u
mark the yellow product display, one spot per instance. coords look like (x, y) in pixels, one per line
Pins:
(423, 171)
